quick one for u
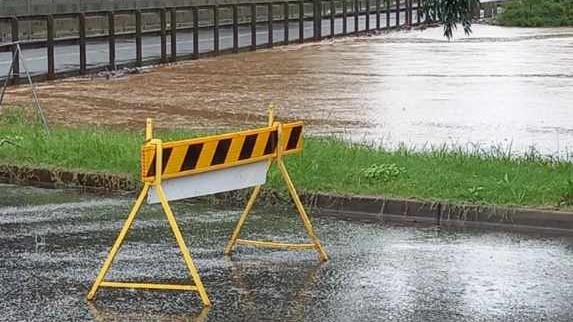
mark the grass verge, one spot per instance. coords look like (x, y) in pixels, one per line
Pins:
(326, 165)
(537, 13)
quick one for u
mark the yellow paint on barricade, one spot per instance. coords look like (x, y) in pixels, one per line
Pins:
(188, 157)
(196, 157)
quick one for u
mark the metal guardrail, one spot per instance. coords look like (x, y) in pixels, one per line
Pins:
(329, 10)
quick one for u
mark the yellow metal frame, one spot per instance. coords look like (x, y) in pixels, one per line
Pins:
(194, 274)
(234, 241)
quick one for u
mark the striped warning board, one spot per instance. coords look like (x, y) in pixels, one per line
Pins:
(189, 157)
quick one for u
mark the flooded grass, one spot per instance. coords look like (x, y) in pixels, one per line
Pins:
(326, 165)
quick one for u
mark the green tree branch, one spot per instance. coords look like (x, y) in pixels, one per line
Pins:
(450, 13)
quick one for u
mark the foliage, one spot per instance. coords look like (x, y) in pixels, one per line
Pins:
(567, 197)
(537, 13)
(451, 13)
(384, 172)
(12, 140)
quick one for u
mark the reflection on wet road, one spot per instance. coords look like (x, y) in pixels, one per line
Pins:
(52, 244)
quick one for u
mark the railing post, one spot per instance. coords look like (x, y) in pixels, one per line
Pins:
(301, 21)
(367, 15)
(173, 32)
(216, 29)
(270, 24)
(82, 32)
(356, 17)
(332, 18)
(344, 18)
(253, 26)
(138, 40)
(235, 28)
(163, 32)
(195, 14)
(50, 47)
(286, 12)
(405, 13)
(111, 38)
(397, 13)
(317, 14)
(377, 14)
(418, 11)
(387, 13)
(410, 12)
(15, 54)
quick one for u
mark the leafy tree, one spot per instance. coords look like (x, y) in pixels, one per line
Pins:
(450, 13)
(537, 13)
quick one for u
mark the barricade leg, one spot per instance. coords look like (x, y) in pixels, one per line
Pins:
(184, 250)
(237, 232)
(194, 274)
(119, 241)
(302, 212)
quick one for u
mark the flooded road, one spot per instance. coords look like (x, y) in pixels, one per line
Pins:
(53, 242)
(509, 88)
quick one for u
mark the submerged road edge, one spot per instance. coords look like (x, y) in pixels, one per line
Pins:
(348, 207)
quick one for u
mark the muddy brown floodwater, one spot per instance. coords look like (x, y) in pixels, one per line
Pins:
(502, 87)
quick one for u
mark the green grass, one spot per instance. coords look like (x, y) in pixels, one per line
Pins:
(537, 13)
(326, 165)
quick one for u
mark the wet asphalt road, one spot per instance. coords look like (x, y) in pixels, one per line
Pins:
(52, 243)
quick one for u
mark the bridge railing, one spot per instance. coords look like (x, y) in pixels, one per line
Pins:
(283, 22)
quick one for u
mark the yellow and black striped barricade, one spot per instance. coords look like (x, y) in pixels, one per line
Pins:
(190, 168)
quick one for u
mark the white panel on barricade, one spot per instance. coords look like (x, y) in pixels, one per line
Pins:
(212, 182)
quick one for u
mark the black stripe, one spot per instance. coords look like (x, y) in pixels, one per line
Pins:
(221, 151)
(151, 170)
(166, 155)
(294, 138)
(191, 157)
(271, 142)
(248, 146)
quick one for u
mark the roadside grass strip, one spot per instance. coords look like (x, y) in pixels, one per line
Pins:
(327, 164)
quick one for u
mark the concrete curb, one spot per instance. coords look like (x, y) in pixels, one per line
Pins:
(353, 207)
(380, 208)
(55, 178)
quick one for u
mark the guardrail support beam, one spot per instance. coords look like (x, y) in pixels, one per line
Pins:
(82, 32)
(15, 53)
(173, 30)
(50, 47)
(111, 38)
(138, 39)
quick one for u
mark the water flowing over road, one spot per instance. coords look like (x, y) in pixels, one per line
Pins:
(52, 244)
(506, 88)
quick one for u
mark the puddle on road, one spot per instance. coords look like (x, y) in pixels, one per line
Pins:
(376, 271)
